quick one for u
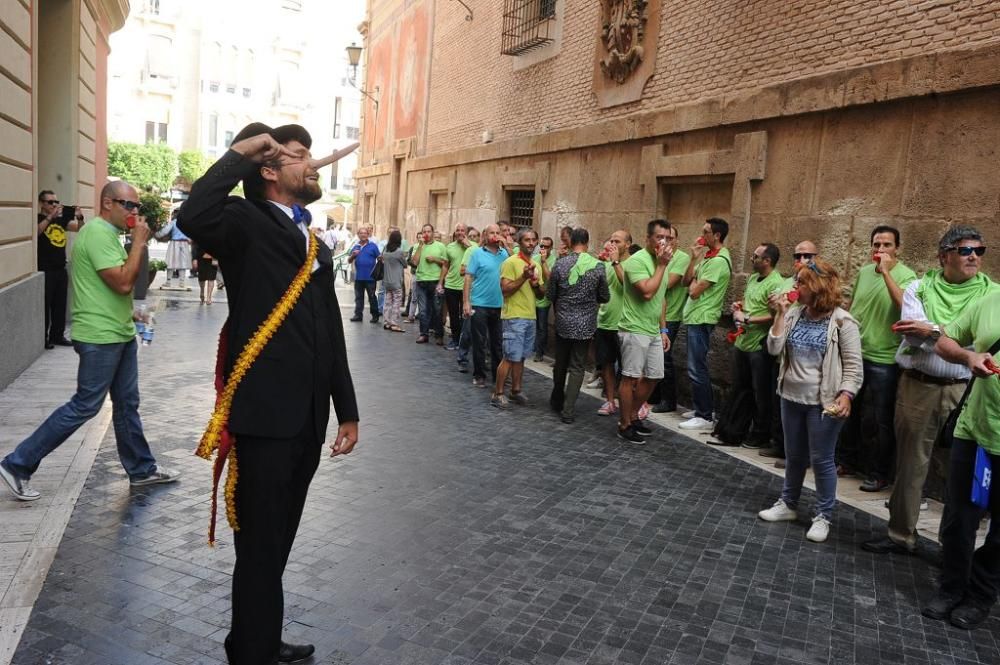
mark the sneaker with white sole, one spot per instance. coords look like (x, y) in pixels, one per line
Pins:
(688, 415)
(499, 401)
(596, 383)
(819, 530)
(158, 477)
(607, 409)
(19, 488)
(697, 423)
(779, 512)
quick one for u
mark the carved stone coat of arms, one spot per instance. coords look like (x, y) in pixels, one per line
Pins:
(622, 36)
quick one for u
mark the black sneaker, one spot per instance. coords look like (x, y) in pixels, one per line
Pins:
(639, 428)
(629, 434)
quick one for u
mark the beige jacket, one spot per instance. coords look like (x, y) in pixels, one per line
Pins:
(842, 365)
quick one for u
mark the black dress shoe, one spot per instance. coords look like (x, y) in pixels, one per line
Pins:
(968, 615)
(884, 545)
(355, 318)
(665, 407)
(62, 342)
(293, 653)
(49, 346)
(722, 444)
(772, 452)
(940, 607)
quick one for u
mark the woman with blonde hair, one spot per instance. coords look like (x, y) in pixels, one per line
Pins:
(819, 344)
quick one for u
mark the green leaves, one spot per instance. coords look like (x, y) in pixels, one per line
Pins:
(151, 167)
(191, 165)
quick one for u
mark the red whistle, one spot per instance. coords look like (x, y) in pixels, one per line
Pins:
(793, 296)
(603, 256)
(130, 221)
(701, 241)
(732, 335)
(992, 366)
(876, 257)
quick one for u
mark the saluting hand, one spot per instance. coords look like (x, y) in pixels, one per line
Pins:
(262, 148)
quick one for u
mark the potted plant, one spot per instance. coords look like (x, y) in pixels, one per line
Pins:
(155, 266)
(151, 207)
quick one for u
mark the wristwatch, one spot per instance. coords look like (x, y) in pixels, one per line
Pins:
(935, 331)
(616, 263)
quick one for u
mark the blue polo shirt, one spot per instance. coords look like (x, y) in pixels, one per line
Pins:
(365, 262)
(484, 266)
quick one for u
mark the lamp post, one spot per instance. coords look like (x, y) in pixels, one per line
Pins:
(354, 57)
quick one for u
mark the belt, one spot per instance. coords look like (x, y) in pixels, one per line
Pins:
(936, 380)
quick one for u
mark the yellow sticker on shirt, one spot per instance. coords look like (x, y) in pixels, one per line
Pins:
(56, 235)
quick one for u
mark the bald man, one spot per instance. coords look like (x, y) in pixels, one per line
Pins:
(104, 338)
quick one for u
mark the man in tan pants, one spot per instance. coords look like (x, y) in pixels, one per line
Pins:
(929, 386)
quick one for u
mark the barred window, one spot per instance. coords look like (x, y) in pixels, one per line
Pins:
(522, 208)
(527, 25)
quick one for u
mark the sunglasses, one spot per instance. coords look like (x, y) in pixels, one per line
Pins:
(128, 205)
(803, 256)
(51, 202)
(967, 251)
(756, 257)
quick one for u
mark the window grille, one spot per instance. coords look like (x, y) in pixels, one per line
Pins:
(522, 208)
(527, 25)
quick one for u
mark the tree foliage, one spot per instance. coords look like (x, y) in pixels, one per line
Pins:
(152, 208)
(151, 167)
(191, 165)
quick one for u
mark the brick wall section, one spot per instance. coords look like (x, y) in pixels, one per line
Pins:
(706, 49)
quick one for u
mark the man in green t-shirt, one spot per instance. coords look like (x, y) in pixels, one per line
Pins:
(753, 367)
(547, 259)
(707, 279)
(641, 329)
(970, 580)
(607, 349)
(454, 282)
(521, 283)
(430, 259)
(877, 297)
(104, 337)
(664, 397)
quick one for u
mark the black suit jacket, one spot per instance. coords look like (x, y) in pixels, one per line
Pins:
(260, 250)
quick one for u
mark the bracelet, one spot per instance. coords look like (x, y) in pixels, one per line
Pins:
(664, 331)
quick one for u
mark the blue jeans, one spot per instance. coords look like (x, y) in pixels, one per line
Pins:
(699, 338)
(810, 438)
(869, 441)
(429, 303)
(381, 297)
(541, 329)
(103, 368)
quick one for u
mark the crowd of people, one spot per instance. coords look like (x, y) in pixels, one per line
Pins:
(846, 379)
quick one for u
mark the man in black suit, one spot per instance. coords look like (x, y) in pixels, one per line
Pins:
(280, 411)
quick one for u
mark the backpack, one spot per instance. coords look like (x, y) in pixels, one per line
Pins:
(735, 418)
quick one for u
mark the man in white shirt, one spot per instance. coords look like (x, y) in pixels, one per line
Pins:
(929, 387)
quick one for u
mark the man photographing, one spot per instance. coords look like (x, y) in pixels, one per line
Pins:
(286, 379)
(54, 221)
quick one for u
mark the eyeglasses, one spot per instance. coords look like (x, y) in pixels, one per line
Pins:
(967, 251)
(803, 256)
(756, 257)
(128, 205)
(51, 202)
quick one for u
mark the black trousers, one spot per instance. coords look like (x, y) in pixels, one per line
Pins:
(274, 477)
(665, 391)
(755, 370)
(453, 298)
(362, 287)
(968, 572)
(487, 333)
(571, 359)
(56, 287)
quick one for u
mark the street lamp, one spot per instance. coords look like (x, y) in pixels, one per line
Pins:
(354, 57)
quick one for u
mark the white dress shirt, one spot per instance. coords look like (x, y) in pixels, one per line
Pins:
(918, 352)
(302, 227)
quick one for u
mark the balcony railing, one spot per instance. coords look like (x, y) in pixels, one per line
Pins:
(527, 25)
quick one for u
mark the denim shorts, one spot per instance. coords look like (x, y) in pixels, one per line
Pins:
(518, 339)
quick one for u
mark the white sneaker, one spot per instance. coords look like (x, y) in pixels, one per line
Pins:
(596, 383)
(19, 488)
(688, 414)
(697, 423)
(779, 512)
(159, 476)
(819, 530)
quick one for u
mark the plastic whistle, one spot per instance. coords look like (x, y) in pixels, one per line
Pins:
(876, 257)
(793, 296)
(701, 241)
(992, 366)
(130, 221)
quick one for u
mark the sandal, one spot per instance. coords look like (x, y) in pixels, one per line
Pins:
(395, 328)
(386, 326)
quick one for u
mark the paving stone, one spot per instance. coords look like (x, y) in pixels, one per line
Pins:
(461, 535)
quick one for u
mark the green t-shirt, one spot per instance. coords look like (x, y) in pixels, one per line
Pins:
(456, 253)
(872, 306)
(641, 316)
(521, 303)
(980, 417)
(100, 316)
(545, 302)
(708, 308)
(427, 271)
(755, 304)
(610, 313)
(677, 296)
(468, 253)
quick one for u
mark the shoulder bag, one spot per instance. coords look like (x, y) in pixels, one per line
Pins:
(947, 432)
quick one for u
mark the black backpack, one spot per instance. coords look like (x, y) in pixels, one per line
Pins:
(735, 418)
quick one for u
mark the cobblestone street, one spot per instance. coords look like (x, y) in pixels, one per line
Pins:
(460, 534)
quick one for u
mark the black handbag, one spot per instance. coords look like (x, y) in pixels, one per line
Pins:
(378, 272)
(947, 432)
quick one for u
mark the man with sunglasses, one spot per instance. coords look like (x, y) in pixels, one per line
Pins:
(930, 387)
(52, 238)
(877, 297)
(104, 338)
(805, 252)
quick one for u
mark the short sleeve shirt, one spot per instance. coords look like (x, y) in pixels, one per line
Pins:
(755, 304)
(872, 306)
(521, 303)
(708, 307)
(544, 301)
(677, 296)
(641, 316)
(100, 315)
(610, 313)
(426, 270)
(980, 417)
(455, 252)
(484, 267)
